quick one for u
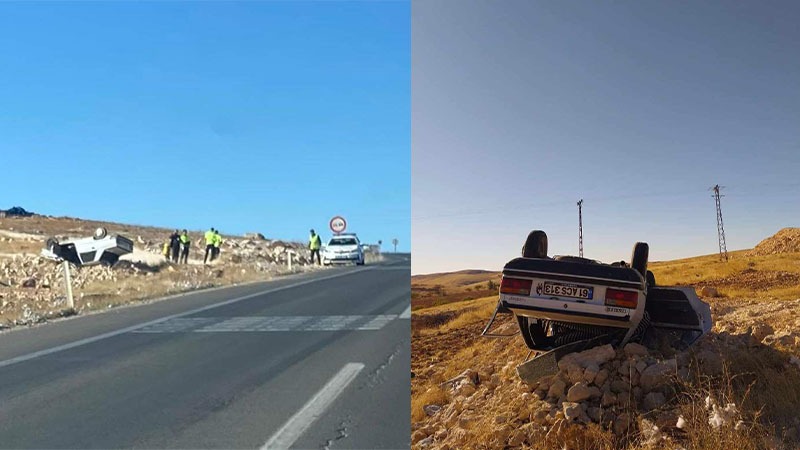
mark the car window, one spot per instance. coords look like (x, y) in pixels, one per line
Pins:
(349, 241)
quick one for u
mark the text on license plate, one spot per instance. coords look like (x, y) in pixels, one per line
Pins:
(568, 290)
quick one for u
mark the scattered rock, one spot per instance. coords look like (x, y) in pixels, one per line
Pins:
(431, 409)
(634, 349)
(708, 291)
(590, 373)
(557, 389)
(658, 373)
(759, 331)
(572, 410)
(597, 355)
(653, 400)
(581, 391)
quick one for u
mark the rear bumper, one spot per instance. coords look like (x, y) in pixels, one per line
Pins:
(599, 277)
(583, 317)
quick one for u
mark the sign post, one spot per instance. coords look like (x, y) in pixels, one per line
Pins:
(338, 224)
(394, 242)
(68, 285)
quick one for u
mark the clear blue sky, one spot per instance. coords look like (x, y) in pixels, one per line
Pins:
(521, 108)
(252, 116)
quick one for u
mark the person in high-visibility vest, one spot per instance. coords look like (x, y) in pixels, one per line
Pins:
(217, 244)
(165, 249)
(209, 237)
(314, 244)
(185, 244)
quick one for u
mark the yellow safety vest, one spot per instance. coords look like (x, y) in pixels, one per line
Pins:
(217, 240)
(314, 242)
(209, 237)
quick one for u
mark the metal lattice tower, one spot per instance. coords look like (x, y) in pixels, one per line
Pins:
(580, 229)
(723, 250)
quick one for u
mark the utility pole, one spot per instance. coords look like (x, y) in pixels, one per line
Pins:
(580, 229)
(723, 250)
(394, 242)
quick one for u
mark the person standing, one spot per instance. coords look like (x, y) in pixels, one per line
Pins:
(175, 245)
(209, 237)
(185, 244)
(217, 244)
(314, 244)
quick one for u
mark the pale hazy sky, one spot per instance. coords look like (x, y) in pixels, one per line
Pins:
(520, 108)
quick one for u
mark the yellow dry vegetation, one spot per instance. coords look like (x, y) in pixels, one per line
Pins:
(462, 278)
(758, 379)
(743, 275)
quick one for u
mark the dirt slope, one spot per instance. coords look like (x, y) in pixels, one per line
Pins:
(786, 240)
(32, 289)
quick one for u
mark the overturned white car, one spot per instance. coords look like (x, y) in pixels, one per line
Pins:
(98, 249)
(565, 300)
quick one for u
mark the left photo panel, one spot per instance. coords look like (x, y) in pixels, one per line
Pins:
(205, 225)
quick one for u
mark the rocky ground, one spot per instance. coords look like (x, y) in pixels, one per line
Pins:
(631, 397)
(738, 387)
(32, 287)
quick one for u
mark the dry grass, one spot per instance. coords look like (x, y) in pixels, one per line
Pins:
(440, 289)
(434, 395)
(710, 271)
(765, 388)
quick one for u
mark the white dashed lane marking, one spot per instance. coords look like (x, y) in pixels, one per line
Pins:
(269, 324)
(314, 409)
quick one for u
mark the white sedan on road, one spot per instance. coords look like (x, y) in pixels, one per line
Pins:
(343, 248)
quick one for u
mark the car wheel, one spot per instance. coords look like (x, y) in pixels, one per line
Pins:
(100, 233)
(639, 257)
(51, 243)
(651, 279)
(535, 245)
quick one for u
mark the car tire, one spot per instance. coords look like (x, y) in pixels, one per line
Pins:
(51, 243)
(651, 279)
(639, 257)
(535, 245)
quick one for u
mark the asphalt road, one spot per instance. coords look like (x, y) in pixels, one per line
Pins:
(313, 361)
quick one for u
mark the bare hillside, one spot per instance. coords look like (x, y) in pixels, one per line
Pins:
(786, 240)
(32, 289)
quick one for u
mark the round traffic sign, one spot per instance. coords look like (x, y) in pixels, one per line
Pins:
(338, 224)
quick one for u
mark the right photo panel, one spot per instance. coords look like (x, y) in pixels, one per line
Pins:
(605, 224)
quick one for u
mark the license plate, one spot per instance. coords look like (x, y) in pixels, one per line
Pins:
(568, 290)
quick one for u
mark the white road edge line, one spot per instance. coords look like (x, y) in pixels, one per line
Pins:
(313, 409)
(405, 314)
(99, 337)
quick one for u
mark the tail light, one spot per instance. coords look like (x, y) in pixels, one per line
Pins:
(625, 299)
(515, 286)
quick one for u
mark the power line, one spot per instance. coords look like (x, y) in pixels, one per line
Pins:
(723, 250)
(580, 229)
(514, 206)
